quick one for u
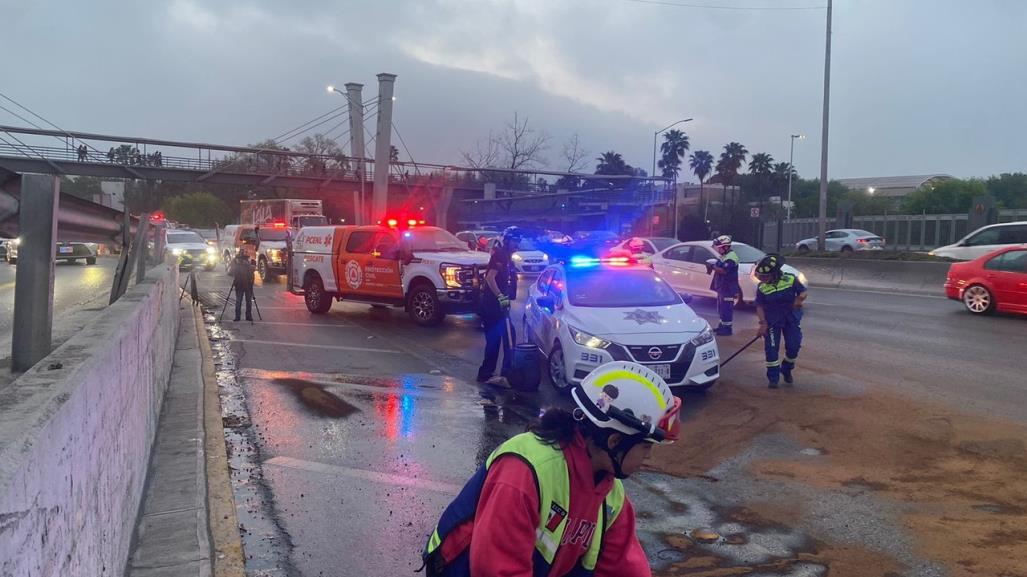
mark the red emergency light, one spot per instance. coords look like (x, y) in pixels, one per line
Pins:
(401, 222)
(157, 216)
(278, 224)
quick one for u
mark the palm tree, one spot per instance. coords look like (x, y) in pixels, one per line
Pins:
(780, 177)
(730, 162)
(701, 163)
(675, 145)
(612, 163)
(760, 168)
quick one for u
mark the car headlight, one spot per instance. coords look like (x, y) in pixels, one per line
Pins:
(545, 257)
(586, 340)
(176, 251)
(451, 274)
(706, 336)
(211, 250)
(802, 278)
(274, 254)
(16, 241)
(517, 257)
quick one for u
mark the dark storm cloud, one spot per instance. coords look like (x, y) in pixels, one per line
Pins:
(918, 86)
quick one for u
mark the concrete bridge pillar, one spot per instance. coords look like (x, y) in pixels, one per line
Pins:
(33, 290)
(383, 145)
(355, 98)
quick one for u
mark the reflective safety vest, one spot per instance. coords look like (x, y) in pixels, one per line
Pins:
(727, 284)
(553, 481)
(778, 299)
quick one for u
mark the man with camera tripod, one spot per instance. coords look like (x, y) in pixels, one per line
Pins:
(241, 271)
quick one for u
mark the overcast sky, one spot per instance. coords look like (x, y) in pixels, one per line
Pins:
(918, 86)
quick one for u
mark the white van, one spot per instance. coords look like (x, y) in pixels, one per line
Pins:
(984, 240)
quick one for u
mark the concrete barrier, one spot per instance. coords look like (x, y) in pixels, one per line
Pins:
(75, 438)
(925, 278)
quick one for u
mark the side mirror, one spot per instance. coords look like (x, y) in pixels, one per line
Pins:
(547, 303)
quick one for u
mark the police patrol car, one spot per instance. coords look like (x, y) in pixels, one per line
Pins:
(424, 269)
(591, 311)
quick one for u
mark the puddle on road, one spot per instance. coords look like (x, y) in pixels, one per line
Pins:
(314, 397)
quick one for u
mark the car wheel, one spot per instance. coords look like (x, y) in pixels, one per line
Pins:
(978, 299)
(803, 248)
(846, 248)
(91, 260)
(317, 300)
(262, 270)
(558, 369)
(226, 259)
(424, 307)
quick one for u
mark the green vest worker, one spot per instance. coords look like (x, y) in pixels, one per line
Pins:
(550, 502)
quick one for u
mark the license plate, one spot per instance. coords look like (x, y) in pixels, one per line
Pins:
(66, 249)
(662, 370)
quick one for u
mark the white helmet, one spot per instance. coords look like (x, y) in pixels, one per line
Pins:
(722, 243)
(630, 399)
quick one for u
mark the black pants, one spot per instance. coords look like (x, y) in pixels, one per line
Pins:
(496, 337)
(243, 293)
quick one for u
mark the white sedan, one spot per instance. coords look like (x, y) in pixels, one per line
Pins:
(588, 312)
(684, 268)
(528, 260)
(844, 240)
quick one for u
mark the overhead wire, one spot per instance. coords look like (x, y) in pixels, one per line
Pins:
(411, 156)
(33, 113)
(287, 132)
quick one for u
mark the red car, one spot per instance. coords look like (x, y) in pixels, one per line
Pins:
(996, 281)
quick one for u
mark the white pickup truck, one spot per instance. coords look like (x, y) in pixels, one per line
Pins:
(425, 269)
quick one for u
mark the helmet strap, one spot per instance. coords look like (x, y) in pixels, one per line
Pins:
(618, 452)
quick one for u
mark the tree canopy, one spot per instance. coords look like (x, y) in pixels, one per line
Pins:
(198, 209)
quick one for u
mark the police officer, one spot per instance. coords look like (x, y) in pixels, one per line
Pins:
(500, 288)
(725, 282)
(551, 501)
(241, 271)
(779, 298)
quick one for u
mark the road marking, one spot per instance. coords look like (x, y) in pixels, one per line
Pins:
(873, 292)
(373, 476)
(308, 345)
(285, 324)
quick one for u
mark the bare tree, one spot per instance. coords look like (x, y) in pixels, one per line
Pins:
(484, 154)
(522, 146)
(573, 154)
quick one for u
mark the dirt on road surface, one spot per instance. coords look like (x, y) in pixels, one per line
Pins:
(960, 481)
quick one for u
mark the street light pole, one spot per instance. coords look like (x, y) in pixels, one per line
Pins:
(822, 216)
(791, 168)
(652, 175)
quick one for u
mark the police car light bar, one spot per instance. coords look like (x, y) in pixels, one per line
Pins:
(581, 261)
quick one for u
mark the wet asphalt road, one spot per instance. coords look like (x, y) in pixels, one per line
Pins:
(80, 291)
(350, 432)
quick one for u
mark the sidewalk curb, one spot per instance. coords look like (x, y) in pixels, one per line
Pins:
(228, 557)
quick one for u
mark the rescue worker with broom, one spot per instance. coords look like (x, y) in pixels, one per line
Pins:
(779, 299)
(725, 283)
(500, 288)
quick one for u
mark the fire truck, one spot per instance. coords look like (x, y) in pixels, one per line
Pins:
(424, 269)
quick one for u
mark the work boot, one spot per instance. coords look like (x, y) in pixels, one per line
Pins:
(249, 319)
(787, 374)
(772, 385)
(498, 381)
(236, 319)
(723, 331)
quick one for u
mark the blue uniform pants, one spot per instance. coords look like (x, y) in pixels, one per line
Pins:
(791, 332)
(726, 309)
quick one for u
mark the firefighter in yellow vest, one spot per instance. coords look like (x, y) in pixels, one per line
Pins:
(550, 502)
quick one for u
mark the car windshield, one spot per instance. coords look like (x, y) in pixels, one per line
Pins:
(528, 244)
(184, 238)
(662, 243)
(619, 288)
(273, 233)
(747, 254)
(434, 240)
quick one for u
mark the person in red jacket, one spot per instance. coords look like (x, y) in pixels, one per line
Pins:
(550, 502)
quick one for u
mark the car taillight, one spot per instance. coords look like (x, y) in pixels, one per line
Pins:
(862, 240)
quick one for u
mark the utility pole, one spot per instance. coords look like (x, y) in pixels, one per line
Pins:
(821, 242)
(791, 169)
